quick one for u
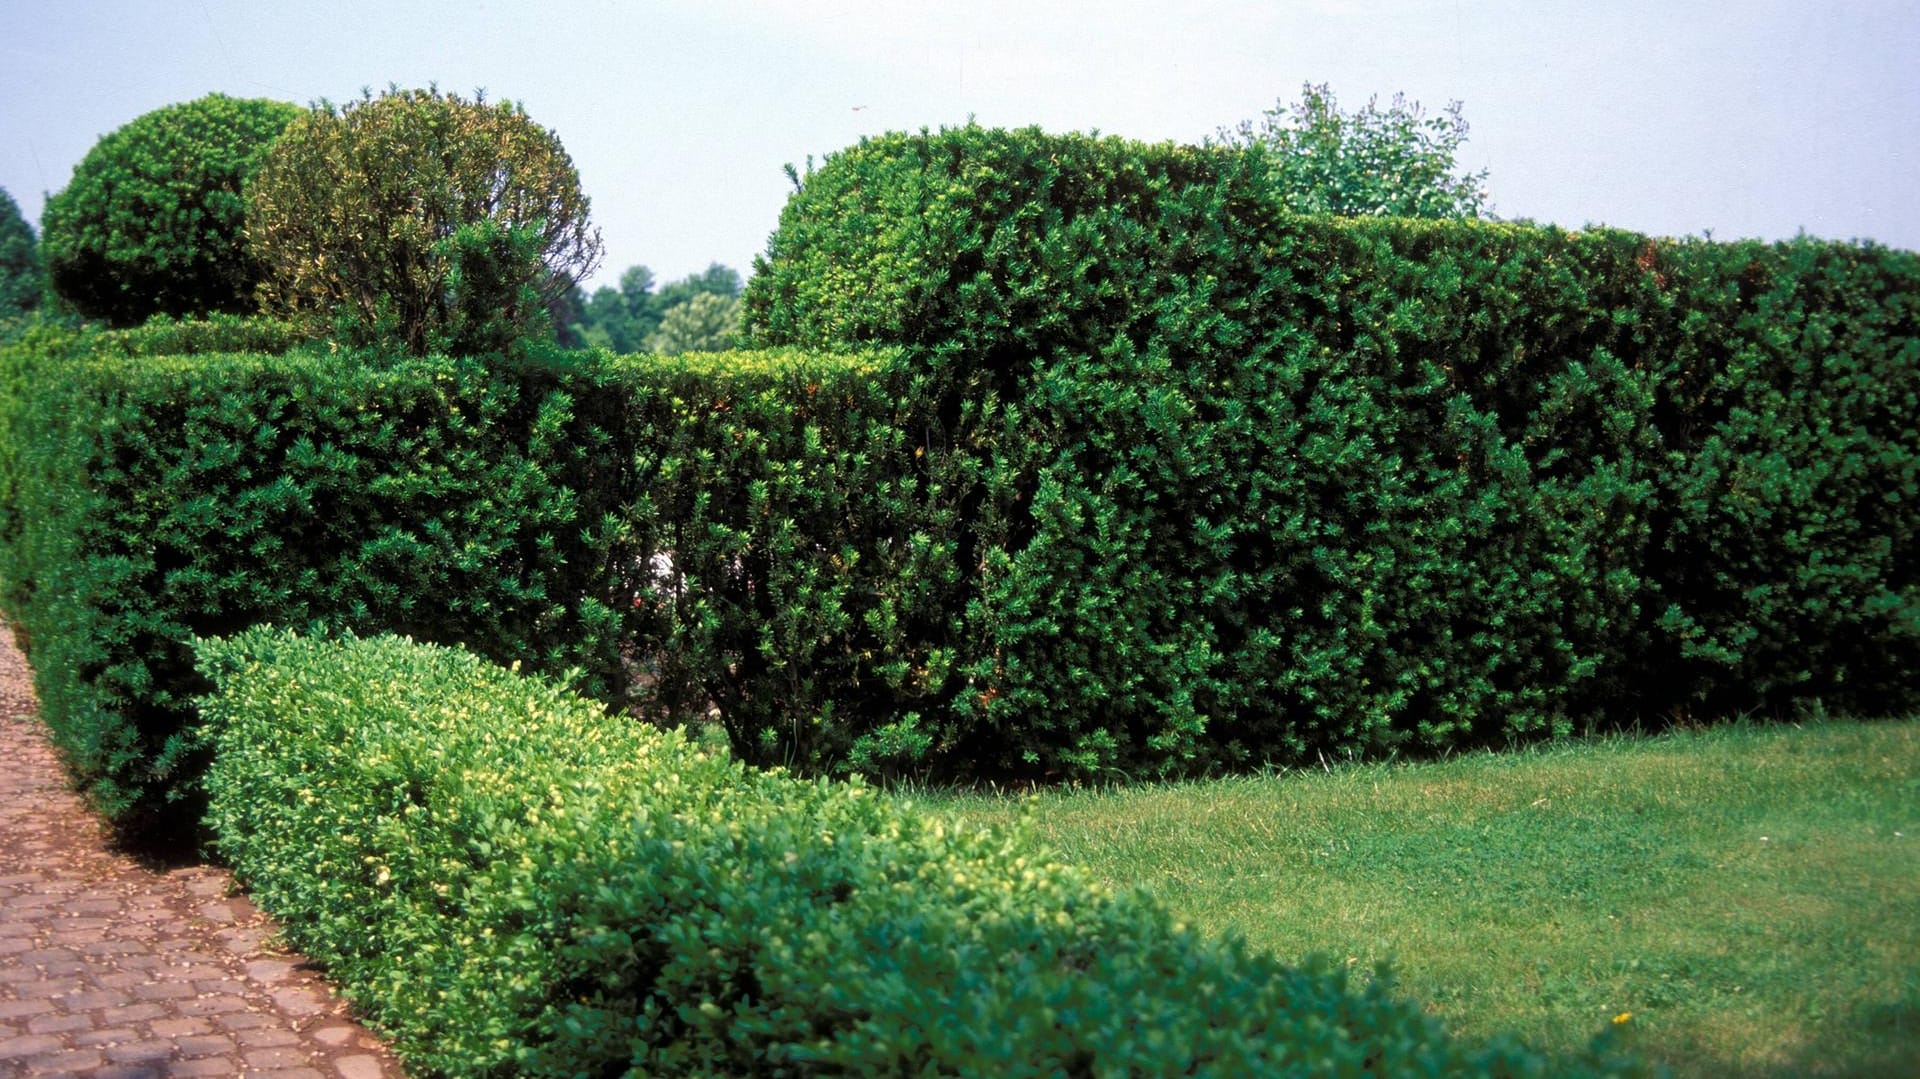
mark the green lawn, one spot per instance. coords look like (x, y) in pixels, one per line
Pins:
(1749, 896)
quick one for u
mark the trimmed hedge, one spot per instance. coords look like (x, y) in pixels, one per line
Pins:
(163, 497)
(1153, 479)
(1298, 485)
(517, 506)
(511, 883)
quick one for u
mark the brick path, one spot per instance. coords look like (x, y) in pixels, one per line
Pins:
(112, 969)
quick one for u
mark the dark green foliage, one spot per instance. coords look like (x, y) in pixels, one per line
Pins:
(152, 221)
(1263, 486)
(512, 883)
(21, 279)
(1157, 478)
(151, 500)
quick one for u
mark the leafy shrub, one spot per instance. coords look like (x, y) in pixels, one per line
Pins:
(1374, 162)
(511, 883)
(151, 222)
(421, 219)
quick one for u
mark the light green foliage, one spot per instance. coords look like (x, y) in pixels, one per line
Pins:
(151, 222)
(511, 882)
(420, 219)
(708, 322)
(1733, 891)
(21, 278)
(1392, 162)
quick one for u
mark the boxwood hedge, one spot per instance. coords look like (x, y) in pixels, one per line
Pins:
(512, 883)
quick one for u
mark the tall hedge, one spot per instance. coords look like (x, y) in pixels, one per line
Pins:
(159, 497)
(1297, 485)
(1249, 488)
(682, 533)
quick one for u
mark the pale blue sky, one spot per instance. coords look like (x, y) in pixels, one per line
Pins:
(1675, 117)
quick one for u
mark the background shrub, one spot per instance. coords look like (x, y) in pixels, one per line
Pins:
(151, 221)
(21, 280)
(511, 883)
(1393, 162)
(421, 219)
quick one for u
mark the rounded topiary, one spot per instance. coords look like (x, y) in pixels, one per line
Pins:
(152, 221)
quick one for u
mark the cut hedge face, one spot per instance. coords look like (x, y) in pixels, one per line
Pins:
(152, 221)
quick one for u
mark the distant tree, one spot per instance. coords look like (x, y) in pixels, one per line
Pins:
(20, 277)
(715, 280)
(624, 319)
(708, 322)
(151, 222)
(567, 312)
(621, 318)
(421, 220)
(1398, 161)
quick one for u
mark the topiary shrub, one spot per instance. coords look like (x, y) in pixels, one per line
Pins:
(151, 223)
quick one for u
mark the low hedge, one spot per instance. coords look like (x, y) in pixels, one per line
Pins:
(511, 883)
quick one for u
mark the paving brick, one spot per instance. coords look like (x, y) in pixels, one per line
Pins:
(266, 1037)
(54, 1024)
(244, 1020)
(106, 1036)
(90, 999)
(204, 1066)
(28, 1045)
(164, 991)
(72, 1062)
(110, 970)
(152, 1049)
(204, 1045)
(220, 1003)
(277, 1057)
(132, 1013)
(130, 1071)
(15, 1009)
(360, 1066)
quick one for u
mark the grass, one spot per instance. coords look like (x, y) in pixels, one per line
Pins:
(1749, 895)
